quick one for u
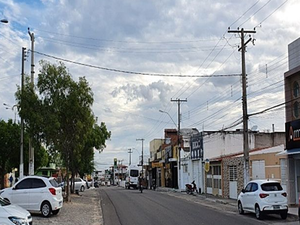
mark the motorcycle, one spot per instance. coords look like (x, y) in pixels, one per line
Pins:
(189, 189)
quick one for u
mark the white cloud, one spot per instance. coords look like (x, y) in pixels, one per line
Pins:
(166, 37)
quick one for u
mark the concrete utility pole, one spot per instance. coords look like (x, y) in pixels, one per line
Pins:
(178, 139)
(245, 112)
(31, 149)
(142, 139)
(21, 169)
(130, 152)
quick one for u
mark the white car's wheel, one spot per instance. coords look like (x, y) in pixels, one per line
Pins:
(82, 188)
(46, 209)
(240, 208)
(258, 213)
(283, 215)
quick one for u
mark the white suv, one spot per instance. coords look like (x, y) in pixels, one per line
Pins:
(36, 194)
(263, 197)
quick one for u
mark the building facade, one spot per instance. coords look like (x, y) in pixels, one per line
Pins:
(292, 126)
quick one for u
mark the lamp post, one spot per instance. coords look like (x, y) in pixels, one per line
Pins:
(130, 152)
(4, 21)
(12, 108)
(169, 116)
(142, 139)
(178, 145)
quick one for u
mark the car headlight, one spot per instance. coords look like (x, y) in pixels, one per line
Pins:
(17, 220)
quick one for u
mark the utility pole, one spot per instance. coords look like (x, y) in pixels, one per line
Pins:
(245, 112)
(21, 169)
(178, 139)
(130, 152)
(142, 139)
(31, 149)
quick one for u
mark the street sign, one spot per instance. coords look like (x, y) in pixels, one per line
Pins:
(206, 165)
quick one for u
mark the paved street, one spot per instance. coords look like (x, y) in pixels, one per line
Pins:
(115, 205)
(127, 207)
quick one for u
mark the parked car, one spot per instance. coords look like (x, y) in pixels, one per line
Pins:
(13, 214)
(263, 197)
(36, 194)
(80, 184)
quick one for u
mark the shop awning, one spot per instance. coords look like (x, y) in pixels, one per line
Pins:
(290, 152)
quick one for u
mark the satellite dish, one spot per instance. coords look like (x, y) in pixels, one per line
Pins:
(254, 128)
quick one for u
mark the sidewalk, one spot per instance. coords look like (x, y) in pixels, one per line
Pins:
(84, 208)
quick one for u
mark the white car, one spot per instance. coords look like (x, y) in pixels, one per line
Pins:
(80, 184)
(263, 197)
(12, 214)
(36, 194)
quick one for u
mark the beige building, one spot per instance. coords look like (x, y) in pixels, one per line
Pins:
(265, 163)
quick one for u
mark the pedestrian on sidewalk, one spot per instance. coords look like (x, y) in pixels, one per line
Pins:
(194, 187)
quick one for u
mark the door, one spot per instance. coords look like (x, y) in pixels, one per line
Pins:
(20, 193)
(283, 173)
(233, 182)
(37, 194)
(258, 169)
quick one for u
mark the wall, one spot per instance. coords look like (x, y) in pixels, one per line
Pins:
(236, 161)
(154, 146)
(222, 143)
(272, 165)
(263, 140)
(294, 54)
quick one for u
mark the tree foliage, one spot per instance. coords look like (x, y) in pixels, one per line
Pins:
(10, 149)
(61, 117)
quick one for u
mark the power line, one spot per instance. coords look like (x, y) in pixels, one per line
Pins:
(132, 72)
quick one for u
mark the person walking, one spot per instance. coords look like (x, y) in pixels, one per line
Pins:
(140, 180)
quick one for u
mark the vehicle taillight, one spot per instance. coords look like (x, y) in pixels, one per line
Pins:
(262, 195)
(53, 191)
(284, 194)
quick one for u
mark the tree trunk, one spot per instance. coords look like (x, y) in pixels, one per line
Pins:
(2, 177)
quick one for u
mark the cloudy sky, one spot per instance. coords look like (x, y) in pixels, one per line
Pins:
(138, 55)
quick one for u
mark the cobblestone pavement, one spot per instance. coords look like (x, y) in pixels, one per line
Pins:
(83, 209)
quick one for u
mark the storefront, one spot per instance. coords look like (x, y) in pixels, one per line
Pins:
(293, 152)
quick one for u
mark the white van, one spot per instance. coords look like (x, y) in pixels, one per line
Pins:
(132, 176)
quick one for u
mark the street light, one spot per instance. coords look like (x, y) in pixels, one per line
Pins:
(4, 21)
(178, 145)
(12, 108)
(169, 116)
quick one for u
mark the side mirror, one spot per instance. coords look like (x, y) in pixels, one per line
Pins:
(243, 190)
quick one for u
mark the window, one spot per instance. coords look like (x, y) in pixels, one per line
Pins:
(38, 183)
(296, 89)
(54, 183)
(217, 170)
(271, 187)
(134, 173)
(209, 182)
(254, 187)
(248, 187)
(24, 184)
(185, 168)
(232, 173)
(296, 109)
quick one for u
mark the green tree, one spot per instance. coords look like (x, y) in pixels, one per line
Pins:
(10, 149)
(61, 117)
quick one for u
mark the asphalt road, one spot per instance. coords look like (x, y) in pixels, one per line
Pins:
(129, 207)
